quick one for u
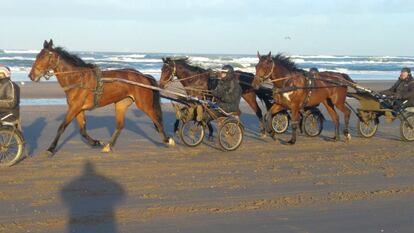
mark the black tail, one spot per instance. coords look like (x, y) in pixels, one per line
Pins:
(264, 94)
(347, 77)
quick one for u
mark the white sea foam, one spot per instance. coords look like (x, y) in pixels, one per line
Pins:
(17, 58)
(22, 51)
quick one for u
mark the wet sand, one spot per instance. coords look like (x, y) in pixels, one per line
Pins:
(365, 185)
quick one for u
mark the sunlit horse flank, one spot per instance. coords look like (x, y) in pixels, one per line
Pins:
(83, 92)
(291, 81)
(197, 78)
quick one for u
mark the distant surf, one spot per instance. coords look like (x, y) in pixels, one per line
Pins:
(359, 67)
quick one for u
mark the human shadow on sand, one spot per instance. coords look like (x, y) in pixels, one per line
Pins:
(91, 200)
(131, 124)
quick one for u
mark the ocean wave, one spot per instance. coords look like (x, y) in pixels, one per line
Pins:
(17, 58)
(123, 59)
(21, 51)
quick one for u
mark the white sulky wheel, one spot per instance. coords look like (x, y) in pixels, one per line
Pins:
(192, 133)
(312, 123)
(407, 133)
(231, 135)
(367, 129)
(280, 122)
(11, 146)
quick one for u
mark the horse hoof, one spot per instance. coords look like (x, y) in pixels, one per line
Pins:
(171, 142)
(291, 142)
(97, 143)
(106, 149)
(50, 153)
(210, 138)
(348, 137)
(263, 135)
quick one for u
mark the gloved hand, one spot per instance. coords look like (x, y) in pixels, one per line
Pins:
(397, 96)
(212, 104)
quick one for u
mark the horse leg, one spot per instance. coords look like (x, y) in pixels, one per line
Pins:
(210, 131)
(120, 109)
(251, 101)
(295, 123)
(71, 113)
(176, 125)
(156, 116)
(334, 116)
(347, 114)
(82, 125)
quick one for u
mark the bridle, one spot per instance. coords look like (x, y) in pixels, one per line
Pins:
(50, 72)
(266, 77)
(269, 75)
(173, 74)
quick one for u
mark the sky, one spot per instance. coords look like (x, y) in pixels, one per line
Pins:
(328, 27)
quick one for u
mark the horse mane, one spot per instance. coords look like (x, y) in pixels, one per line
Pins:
(186, 62)
(72, 58)
(286, 62)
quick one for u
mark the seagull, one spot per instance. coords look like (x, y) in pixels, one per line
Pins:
(287, 38)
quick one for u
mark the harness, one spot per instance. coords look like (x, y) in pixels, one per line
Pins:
(97, 91)
(309, 86)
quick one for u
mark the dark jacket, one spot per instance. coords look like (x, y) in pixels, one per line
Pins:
(9, 99)
(228, 93)
(403, 89)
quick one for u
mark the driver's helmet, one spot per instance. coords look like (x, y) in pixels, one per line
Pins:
(4, 72)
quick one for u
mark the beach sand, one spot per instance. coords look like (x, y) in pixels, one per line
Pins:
(365, 185)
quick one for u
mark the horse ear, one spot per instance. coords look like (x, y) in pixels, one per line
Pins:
(258, 54)
(269, 55)
(50, 43)
(163, 59)
(45, 44)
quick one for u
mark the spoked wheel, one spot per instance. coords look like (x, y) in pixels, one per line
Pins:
(231, 135)
(11, 147)
(368, 129)
(407, 133)
(192, 133)
(312, 123)
(280, 122)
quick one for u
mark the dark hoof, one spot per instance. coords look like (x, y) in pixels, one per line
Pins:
(50, 153)
(335, 139)
(210, 138)
(291, 142)
(97, 143)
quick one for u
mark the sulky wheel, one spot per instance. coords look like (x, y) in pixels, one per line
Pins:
(280, 122)
(367, 129)
(231, 135)
(407, 133)
(11, 146)
(312, 123)
(192, 133)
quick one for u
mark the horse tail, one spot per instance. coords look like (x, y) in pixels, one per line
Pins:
(265, 95)
(156, 101)
(347, 78)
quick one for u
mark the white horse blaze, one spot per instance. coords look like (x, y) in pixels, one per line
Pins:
(287, 95)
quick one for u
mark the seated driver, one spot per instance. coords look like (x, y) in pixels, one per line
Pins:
(9, 97)
(403, 89)
(228, 91)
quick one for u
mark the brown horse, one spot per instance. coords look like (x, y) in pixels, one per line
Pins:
(197, 80)
(292, 90)
(85, 90)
